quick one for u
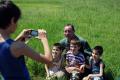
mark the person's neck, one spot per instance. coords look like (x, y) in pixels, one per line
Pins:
(97, 60)
(76, 53)
(72, 37)
(4, 35)
(57, 59)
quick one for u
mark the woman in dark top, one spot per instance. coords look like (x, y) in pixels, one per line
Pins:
(12, 63)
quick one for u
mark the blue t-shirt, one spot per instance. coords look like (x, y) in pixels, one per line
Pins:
(12, 68)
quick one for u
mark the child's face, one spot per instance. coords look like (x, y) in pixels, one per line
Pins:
(74, 48)
(95, 55)
(56, 52)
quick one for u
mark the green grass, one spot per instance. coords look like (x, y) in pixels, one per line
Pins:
(97, 21)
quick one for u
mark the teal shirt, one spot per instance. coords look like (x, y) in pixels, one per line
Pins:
(84, 43)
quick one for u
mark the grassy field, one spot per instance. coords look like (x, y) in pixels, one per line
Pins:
(97, 21)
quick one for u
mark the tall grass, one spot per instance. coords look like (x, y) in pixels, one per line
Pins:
(97, 21)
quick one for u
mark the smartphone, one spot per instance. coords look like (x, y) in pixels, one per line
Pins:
(34, 33)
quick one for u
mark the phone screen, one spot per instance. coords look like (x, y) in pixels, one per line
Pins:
(34, 33)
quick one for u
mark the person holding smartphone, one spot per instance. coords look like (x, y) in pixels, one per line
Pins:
(26, 34)
(12, 52)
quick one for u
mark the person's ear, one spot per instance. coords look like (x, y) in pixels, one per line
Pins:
(12, 20)
(79, 47)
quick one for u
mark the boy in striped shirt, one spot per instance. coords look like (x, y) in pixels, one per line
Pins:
(75, 59)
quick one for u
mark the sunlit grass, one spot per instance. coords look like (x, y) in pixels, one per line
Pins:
(97, 21)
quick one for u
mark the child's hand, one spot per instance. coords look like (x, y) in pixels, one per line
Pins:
(89, 76)
(86, 78)
(70, 69)
(82, 68)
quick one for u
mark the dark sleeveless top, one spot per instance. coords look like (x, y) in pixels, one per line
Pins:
(12, 68)
(95, 66)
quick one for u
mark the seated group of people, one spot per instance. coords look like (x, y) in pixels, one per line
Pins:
(72, 56)
(74, 59)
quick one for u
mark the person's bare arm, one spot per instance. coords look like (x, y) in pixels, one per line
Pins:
(99, 74)
(46, 69)
(47, 50)
(19, 48)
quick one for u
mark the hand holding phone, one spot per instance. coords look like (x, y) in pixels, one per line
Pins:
(41, 33)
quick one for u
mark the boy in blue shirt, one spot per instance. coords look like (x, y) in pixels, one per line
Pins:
(96, 65)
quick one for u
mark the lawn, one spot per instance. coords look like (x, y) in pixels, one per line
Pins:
(97, 21)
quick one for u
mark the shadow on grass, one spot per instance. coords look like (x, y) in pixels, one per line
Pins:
(109, 75)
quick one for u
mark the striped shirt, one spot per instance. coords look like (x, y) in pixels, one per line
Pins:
(75, 60)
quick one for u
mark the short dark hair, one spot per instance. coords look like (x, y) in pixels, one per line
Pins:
(71, 26)
(59, 46)
(8, 10)
(75, 42)
(99, 49)
(78, 43)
